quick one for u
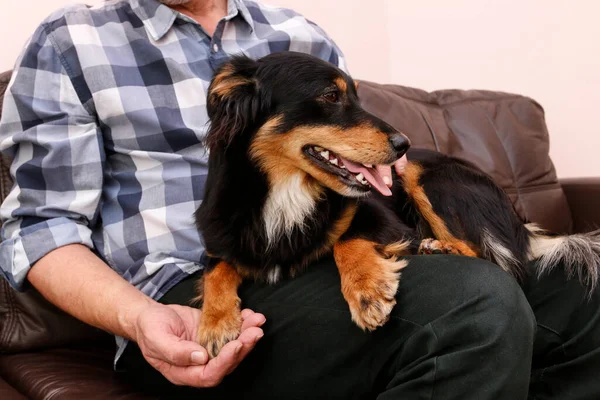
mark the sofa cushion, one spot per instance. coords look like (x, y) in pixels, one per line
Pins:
(29, 322)
(503, 134)
(68, 373)
(7, 392)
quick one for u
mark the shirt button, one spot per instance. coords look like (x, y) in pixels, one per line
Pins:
(215, 47)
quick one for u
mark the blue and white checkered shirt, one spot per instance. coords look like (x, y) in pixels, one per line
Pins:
(105, 116)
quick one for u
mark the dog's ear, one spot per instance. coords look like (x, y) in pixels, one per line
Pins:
(233, 102)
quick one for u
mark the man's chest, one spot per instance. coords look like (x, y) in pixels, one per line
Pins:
(150, 95)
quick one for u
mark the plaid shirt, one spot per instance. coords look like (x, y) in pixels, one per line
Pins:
(105, 116)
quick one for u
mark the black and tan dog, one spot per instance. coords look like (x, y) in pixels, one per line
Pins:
(294, 175)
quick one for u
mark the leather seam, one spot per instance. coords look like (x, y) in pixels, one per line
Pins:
(13, 314)
(10, 318)
(512, 169)
(431, 131)
(456, 102)
(535, 188)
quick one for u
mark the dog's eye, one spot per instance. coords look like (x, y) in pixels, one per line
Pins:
(331, 97)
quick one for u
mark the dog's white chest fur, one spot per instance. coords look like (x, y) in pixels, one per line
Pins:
(288, 205)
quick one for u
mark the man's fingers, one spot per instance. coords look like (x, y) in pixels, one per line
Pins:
(212, 374)
(178, 352)
(400, 165)
(178, 368)
(252, 319)
(250, 336)
(194, 376)
(386, 174)
(233, 353)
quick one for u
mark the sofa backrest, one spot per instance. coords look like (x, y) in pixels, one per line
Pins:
(503, 134)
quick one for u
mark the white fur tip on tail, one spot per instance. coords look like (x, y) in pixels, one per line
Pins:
(578, 254)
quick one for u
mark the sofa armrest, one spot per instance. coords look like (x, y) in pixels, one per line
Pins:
(583, 195)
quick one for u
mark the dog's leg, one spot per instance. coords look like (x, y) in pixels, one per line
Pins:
(370, 275)
(444, 242)
(221, 319)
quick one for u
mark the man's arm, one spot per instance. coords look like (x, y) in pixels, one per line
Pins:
(78, 282)
(49, 215)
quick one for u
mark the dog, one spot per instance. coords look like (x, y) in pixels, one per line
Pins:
(295, 175)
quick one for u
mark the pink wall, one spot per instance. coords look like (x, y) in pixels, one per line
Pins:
(545, 49)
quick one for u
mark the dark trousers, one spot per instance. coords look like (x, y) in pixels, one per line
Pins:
(462, 329)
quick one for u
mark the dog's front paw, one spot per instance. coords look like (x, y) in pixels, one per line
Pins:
(371, 294)
(219, 327)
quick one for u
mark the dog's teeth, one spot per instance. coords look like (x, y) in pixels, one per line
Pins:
(334, 161)
(342, 166)
(325, 154)
(319, 149)
(368, 165)
(361, 178)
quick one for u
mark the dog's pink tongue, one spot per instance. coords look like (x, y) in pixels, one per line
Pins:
(371, 175)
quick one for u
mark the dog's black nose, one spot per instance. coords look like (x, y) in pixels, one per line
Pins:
(400, 143)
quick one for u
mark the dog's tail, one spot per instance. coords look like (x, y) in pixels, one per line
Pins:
(579, 254)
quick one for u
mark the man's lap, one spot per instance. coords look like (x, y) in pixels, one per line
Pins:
(566, 354)
(311, 344)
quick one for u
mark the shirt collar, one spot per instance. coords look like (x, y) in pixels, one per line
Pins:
(241, 7)
(158, 18)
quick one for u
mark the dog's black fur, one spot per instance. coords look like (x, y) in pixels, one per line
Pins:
(267, 116)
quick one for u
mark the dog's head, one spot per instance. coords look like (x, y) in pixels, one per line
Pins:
(295, 114)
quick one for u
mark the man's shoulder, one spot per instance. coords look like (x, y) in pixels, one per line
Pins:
(305, 35)
(83, 14)
(269, 14)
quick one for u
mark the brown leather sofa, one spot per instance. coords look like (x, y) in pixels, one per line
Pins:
(47, 354)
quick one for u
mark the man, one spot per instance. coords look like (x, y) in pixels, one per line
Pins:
(105, 117)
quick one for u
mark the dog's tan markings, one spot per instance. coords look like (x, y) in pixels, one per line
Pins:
(226, 86)
(221, 319)
(280, 154)
(396, 249)
(341, 225)
(356, 85)
(446, 240)
(226, 80)
(341, 84)
(292, 195)
(369, 281)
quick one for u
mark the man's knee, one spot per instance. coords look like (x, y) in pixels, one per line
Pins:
(458, 289)
(463, 291)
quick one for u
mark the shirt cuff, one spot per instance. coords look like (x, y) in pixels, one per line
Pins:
(19, 254)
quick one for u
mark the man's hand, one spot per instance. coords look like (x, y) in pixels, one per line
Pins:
(76, 280)
(166, 336)
(386, 172)
(401, 165)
